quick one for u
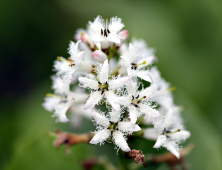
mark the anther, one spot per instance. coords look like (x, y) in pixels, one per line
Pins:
(99, 82)
(116, 123)
(98, 89)
(107, 89)
(102, 92)
(110, 122)
(132, 97)
(63, 101)
(137, 96)
(111, 132)
(65, 95)
(101, 32)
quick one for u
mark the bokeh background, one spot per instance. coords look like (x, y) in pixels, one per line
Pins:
(186, 34)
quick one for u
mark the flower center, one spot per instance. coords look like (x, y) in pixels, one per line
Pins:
(113, 126)
(135, 65)
(168, 132)
(103, 87)
(136, 100)
(106, 31)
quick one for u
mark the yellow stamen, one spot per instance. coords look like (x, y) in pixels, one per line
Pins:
(51, 95)
(81, 33)
(170, 89)
(170, 133)
(107, 24)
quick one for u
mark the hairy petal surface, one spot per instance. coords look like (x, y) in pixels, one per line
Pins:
(120, 141)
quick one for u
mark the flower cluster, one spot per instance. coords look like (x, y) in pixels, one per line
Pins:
(117, 85)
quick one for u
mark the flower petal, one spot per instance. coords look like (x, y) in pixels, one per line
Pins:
(160, 141)
(133, 114)
(93, 100)
(114, 116)
(86, 82)
(100, 136)
(118, 82)
(173, 148)
(120, 141)
(149, 111)
(128, 127)
(104, 72)
(100, 119)
(143, 75)
(112, 100)
(151, 133)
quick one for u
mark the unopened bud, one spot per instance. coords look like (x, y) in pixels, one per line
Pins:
(85, 38)
(99, 56)
(124, 34)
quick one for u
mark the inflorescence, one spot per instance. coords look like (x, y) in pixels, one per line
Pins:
(118, 84)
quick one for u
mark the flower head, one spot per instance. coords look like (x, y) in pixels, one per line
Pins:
(106, 33)
(112, 126)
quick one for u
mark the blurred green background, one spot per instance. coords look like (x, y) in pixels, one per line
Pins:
(187, 36)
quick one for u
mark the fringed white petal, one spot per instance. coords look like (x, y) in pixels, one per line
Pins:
(50, 103)
(115, 24)
(86, 82)
(128, 127)
(149, 111)
(120, 141)
(100, 119)
(180, 136)
(112, 100)
(118, 82)
(104, 72)
(143, 75)
(173, 148)
(125, 100)
(100, 136)
(93, 100)
(114, 116)
(133, 114)
(160, 141)
(151, 133)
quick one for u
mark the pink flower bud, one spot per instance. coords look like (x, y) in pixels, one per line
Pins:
(124, 34)
(85, 38)
(99, 56)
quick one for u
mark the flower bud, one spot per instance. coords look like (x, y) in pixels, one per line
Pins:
(99, 56)
(85, 38)
(124, 34)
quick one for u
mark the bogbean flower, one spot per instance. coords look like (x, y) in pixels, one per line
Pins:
(111, 71)
(137, 103)
(104, 33)
(62, 100)
(103, 86)
(66, 67)
(168, 134)
(112, 126)
(135, 60)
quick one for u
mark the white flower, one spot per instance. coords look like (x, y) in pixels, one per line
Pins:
(66, 67)
(161, 89)
(103, 85)
(168, 135)
(105, 33)
(137, 103)
(62, 100)
(135, 60)
(112, 126)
